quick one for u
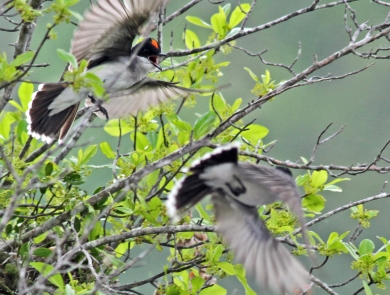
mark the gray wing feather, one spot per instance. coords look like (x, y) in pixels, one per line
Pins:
(272, 185)
(111, 24)
(265, 259)
(275, 185)
(140, 97)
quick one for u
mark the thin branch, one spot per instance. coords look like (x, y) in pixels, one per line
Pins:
(381, 2)
(343, 208)
(256, 29)
(319, 141)
(181, 11)
(346, 282)
(322, 285)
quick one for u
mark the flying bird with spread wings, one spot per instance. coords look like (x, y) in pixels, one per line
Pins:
(105, 38)
(237, 188)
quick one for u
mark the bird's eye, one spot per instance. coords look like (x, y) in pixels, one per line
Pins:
(145, 51)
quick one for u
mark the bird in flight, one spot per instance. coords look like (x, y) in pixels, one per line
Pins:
(236, 189)
(105, 38)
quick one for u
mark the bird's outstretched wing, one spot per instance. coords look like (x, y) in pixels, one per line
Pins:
(275, 185)
(264, 258)
(110, 26)
(141, 96)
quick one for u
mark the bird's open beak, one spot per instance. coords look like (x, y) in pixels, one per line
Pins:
(157, 59)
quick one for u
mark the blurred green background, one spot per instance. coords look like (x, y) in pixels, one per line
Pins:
(295, 118)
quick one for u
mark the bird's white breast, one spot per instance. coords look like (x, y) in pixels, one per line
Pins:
(115, 76)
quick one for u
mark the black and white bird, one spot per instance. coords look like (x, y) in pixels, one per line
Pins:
(105, 39)
(237, 188)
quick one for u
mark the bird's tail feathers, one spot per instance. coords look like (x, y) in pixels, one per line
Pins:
(42, 125)
(187, 192)
(221, 155)
(192, 188)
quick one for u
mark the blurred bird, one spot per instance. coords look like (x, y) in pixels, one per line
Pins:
(237, 188)
(105, 38)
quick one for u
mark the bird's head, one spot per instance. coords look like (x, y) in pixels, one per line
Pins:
(150, 49)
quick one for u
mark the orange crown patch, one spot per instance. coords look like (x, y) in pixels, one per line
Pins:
(155, 43)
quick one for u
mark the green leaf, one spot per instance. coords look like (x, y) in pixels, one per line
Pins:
(122, 249)
(337, 180)
(352, 250)
(213, 290)
(366, 247)
(95, 232)
(76, 15)
(88, 154)
(225, 9)
(45, 270)
(253, 76)
(96, 85)
(319, 178)
(227, 267)
(202, 213)
(181, 125)
(219, 103)
(218, 250)
(106, 150)
(160, 138)
(142, 142)
(342, 236)
(21, 131)
(16, 105)
(22, 59)
(222, 64)
(197, 283)
(332, 238)
(240, 271)
(42, 252)
(204, 124)
(254, 133)
(384, 240)
(25, 92)
(112, 127)
(40, 238)
(197, 21)
(266, 78)
(5, 125)
(338, 246)
(238, 15)
(333, 188)
(273, 220)
(152, 178)
(191, 40)
(218, 22)
(236, 104)
(68, 57)
(312, 234)
(304, 160)
(69, 290)
(381, 260)
(49, 169)
(313, 203)
(367, 288)
(24, 249)
(173, 290)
